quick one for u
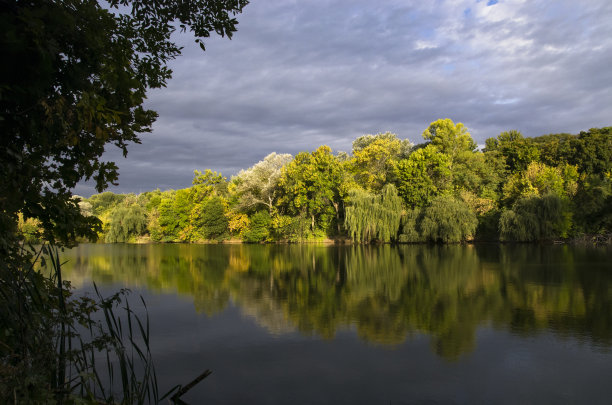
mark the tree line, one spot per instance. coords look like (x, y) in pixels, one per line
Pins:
(445, 190)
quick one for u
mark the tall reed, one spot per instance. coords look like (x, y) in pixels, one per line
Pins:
(56, 347)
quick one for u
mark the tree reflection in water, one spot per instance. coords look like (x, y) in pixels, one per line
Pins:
(387, 293)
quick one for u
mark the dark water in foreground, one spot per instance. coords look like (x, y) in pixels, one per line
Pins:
(372, 325)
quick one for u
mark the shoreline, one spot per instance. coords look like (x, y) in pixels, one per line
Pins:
(583, 240)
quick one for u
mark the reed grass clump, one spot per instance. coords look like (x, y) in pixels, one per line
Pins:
(59, 348)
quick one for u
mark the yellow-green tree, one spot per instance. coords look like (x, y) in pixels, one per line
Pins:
(374, 157)
(538, 180)
(208, 203)
(424, 175)
(174, 217)
(449, 138)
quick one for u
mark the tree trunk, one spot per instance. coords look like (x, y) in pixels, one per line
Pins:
(337, 208)
(270, 205)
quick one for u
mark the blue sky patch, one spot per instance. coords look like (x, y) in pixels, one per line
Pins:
(448, 68)
(492, 2)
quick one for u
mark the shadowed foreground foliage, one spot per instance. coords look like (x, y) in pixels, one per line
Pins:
(60, 348)
(76, 83)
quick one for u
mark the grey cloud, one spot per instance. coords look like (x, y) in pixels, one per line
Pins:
(297, 75)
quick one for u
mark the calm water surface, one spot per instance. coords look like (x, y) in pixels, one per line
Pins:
(373, 325)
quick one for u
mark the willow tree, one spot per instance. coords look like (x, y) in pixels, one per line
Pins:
(126, 223)
(448, 219)
(371, 217)
(534, 218)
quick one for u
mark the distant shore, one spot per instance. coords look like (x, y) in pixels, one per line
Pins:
(582, 240)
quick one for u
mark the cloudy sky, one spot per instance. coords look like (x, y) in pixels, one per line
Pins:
(299, 74)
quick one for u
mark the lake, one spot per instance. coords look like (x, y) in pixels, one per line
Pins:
(302, 324)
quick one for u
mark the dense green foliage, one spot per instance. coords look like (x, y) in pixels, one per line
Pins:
(535, 218)
(258, 230)
(374, 157)
(444, 191)
(311, 185)
(213, 222)
(423, 176)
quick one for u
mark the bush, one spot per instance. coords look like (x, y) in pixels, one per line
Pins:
(290, 229)
(258, 230)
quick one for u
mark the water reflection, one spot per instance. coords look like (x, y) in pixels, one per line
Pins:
(386, 293)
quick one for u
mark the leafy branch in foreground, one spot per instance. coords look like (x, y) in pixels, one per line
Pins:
(77, 84)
